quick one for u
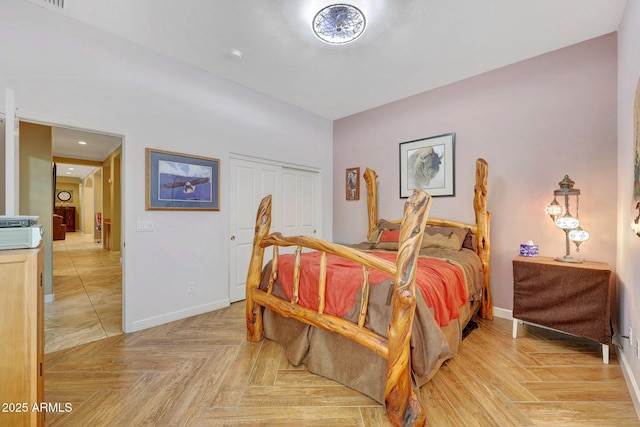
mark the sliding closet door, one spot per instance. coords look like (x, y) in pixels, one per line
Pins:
(250, 182)
(300, 209)
(295, 210)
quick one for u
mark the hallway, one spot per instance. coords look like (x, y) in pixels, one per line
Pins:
(87, 285)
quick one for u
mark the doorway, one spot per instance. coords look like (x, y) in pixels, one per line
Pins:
(86, 300)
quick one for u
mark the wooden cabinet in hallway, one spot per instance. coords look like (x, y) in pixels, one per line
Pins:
(68, 214)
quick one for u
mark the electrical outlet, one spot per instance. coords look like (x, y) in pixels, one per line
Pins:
(191, 287)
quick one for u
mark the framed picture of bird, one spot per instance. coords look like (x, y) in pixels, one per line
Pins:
(177, 181)
(427, 164)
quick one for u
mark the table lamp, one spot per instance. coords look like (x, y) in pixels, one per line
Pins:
(563, 219)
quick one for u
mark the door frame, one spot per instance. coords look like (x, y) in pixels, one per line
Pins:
(51, 297)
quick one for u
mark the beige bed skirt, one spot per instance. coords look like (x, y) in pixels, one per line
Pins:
(333, 356)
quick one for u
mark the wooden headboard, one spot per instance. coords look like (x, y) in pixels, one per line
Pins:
(481, 229)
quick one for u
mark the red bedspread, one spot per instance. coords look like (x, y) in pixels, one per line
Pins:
(441, 284)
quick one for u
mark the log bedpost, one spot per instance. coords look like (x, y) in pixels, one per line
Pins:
(253, 310)
(372, 199)
(483, 221)
(402, 405)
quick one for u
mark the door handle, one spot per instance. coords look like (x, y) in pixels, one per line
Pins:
(233, 237)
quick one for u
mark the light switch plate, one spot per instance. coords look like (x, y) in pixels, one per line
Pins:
(144, 226)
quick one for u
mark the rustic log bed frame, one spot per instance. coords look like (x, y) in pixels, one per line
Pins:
(402, 405)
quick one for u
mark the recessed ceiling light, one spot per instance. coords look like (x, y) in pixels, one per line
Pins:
(82, 143)
(235, 54)
(339, 24)
(71, 169)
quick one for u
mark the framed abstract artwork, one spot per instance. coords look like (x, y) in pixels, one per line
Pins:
(428, 164)
(177, 181)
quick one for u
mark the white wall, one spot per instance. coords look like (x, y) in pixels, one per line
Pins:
(66, 73)
(627, 265)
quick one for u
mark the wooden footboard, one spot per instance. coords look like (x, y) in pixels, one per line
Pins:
(402, 405)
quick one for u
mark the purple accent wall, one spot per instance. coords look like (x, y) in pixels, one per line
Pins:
(628, 267)
(533, 121)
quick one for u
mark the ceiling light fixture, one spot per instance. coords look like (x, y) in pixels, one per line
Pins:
(82, 143)
(235, 54)
(339, 24)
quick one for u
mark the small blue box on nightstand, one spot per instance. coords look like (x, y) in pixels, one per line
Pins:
(529, 249)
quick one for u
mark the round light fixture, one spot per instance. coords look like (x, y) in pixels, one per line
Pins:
(554, 210)
(578, 235)
(567, 222)
(235, 54)
(339, 24)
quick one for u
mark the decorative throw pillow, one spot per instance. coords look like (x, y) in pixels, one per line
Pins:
(390, 236)
(388, 240)
(450, 238)
(469, 241)
(386, 236)
(382, 225)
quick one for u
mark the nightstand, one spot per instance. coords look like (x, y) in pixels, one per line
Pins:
(574, 298)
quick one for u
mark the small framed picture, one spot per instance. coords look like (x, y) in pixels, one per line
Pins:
(64, 195)
(427, 164)
(353, 184)
(177, 181)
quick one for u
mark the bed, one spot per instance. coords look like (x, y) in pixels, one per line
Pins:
(380, 316)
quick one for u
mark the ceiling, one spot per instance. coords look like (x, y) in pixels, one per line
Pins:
(66, 143)
(408, 47)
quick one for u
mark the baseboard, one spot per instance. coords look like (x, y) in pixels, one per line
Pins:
(632, 385)
(503, 313)
(150, 322)
(49, 298)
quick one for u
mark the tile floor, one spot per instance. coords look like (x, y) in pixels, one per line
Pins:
(87, 288)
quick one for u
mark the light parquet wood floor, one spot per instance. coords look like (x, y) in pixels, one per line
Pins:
(201, 371)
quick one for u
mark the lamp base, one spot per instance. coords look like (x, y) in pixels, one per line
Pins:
(568, 258)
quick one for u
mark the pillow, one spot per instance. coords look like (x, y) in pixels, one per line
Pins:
(388, 240)
(450, 238)
(386, 236)
(469, 241)
(382, 225)
(390, 236)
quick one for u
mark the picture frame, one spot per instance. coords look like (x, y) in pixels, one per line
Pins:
(64, 195)
(636, 147)
(352, 184)
(428, 164)
(176, 181)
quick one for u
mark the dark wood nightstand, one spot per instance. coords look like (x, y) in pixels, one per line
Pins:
(569, 297)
